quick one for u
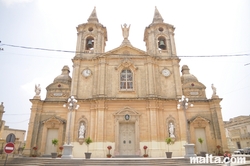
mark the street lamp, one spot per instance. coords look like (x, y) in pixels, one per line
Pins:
(189, 148)
(67, 147)
(183, 102)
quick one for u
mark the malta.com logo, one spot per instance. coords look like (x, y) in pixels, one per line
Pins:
(210, 159)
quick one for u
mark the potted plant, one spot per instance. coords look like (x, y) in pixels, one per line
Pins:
(203, 154)
(145, 151)
(109, 148)
(20, 150)
(54, 143)
(169, 141)
(34, 151)
(61, 148)
(218, 150)
(87, 154)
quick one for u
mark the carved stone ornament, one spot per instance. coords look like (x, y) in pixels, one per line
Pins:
(126, 63)
(80, 140)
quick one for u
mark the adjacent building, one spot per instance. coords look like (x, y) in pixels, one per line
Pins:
(128, 98)
(5, 131)
(238, 132)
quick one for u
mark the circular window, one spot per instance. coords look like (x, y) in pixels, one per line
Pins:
(90, 29)
(160, 29)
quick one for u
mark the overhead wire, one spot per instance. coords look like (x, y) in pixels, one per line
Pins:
(183, 56)
(19, 122)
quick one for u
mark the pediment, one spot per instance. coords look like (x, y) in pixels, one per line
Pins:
(57, 92)
(126, 63)
(127, 110)
(57, 86)
(54, 119)
(126, 50)
(199, 119)
(194, 85)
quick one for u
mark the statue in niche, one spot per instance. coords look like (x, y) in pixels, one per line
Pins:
(82, 131)
(171, 130)
(37, 89)
(125, 31)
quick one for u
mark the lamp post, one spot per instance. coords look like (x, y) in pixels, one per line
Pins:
(67, 147)
(189, 148)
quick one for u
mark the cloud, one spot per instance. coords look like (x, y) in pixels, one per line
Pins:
(13, 2)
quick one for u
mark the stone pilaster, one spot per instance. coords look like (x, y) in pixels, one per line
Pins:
(150, 78)
(100, 120)
(101, 77)
(33, 126)
(218, 124)
(75, 77)
(176, 77)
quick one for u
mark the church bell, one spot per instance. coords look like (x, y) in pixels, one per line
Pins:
(162, 44)
(90, 44)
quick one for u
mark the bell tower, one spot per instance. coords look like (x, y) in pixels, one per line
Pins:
(159, 37)
(91, 37)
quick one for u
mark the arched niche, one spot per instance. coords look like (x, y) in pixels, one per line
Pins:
(170, 119)
(81, 121)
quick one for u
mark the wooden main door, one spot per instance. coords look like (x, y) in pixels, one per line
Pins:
(127, 138)
(51, 134)
(200, 133)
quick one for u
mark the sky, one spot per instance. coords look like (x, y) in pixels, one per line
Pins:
(219, 30)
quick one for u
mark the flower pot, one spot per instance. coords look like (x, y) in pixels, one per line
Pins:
(87, 155)
(109, 155)
(53, 155)
(168, 154)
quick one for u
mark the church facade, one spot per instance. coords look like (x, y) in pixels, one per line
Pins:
(127, 99)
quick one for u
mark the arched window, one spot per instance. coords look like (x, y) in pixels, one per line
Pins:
(126, 80)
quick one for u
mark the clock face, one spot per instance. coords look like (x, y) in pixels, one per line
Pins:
(165, 72)
(86, 73)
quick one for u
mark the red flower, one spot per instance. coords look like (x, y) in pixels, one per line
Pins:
(109, 147)
(61, 148)
(34, 148)
(145, 147)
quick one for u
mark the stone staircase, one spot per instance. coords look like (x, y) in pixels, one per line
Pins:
(42, 161)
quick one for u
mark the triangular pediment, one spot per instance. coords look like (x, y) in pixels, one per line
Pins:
(54, 119)
(127, 110)
(199, 119)
(126, 50)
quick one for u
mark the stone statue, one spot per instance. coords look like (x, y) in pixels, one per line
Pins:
(82, 131)
(214, 89)
(125, 31)
(171, 130)
(37, 89)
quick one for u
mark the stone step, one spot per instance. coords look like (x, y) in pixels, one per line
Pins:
(42, 161)
(127, 156)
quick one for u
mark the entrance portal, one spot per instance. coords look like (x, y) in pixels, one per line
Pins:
(52, 134)
(127, 138)
(200, 133)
